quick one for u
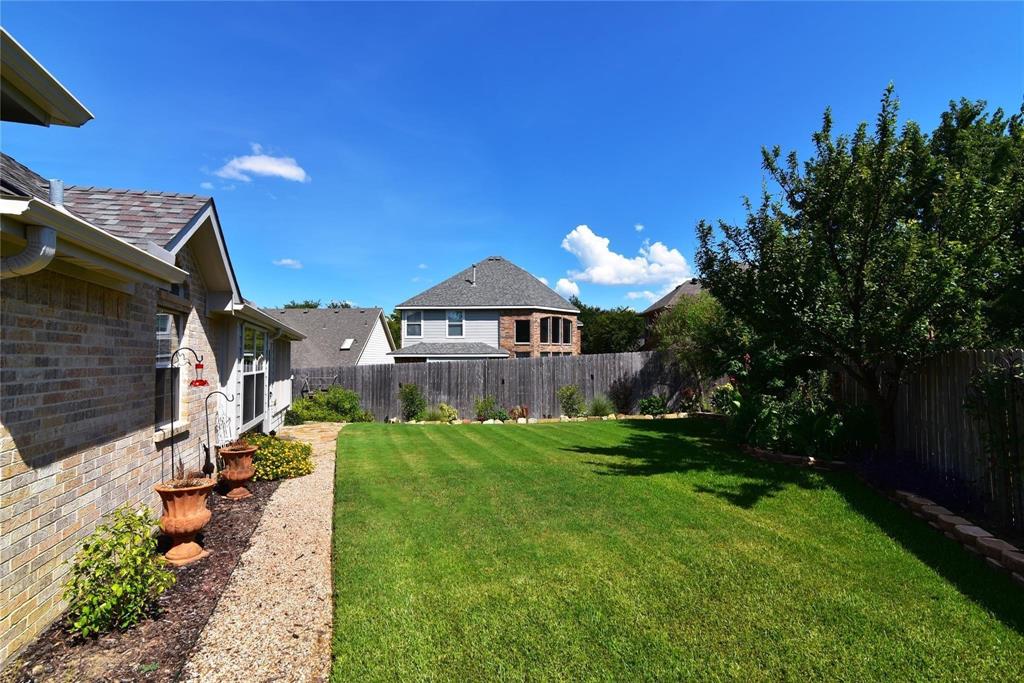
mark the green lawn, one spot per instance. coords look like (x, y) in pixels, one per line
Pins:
(641, 550)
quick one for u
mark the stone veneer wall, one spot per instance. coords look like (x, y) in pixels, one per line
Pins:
(77, 436)
(507, 333)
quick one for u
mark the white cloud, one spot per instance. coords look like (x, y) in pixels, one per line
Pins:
(567, 288)
(656, 263)
(639, 227)
(288, 263)
(206, 185)
(544, 280)
(243, 168)
(422, 266)
(646, 294)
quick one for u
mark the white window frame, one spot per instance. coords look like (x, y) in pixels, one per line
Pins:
(407, 320)
(168, 331)
(448, 324)
(260, 366)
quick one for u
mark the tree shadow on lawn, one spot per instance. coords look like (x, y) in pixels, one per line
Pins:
(656, 447)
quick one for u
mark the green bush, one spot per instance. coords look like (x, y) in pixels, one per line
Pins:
(570, 398)
(414, 406)
(433, 415)
(280, 459)
(519, 412)
(337, 404)
(653, 405)
(725, 399)
(117, 575)
(487, 409)
(601, 406)
(448, 414)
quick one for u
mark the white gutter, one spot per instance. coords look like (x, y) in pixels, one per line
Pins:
(83, 237)
(256, 316)
(484, 308)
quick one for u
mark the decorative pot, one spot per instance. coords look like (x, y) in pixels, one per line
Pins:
(185, 514)
(237, 470)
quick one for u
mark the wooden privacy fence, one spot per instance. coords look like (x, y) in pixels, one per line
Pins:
(944, 442)
(519, 381)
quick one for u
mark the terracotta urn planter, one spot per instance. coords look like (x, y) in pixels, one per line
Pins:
(238, 468)
(185, 514)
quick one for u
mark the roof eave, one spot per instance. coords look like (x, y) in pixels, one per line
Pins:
(51, 102)
(456, 307)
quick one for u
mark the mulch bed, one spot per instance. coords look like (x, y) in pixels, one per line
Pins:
(156, 649)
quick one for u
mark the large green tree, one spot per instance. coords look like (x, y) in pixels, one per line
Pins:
(609, 330)
(882, 248)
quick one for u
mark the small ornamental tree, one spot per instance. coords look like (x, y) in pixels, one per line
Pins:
(882, 248)
(695, 332)
(414, 406)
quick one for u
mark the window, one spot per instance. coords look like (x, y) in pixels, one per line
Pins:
(522, 354)
(455, 319)
(347, 344)
(544, 324)
(522, 332)
(566, 331)
(556, 331)
(165, 406)
(414, 324)
(254, 373)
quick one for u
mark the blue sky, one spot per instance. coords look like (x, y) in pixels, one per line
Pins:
(385, 147)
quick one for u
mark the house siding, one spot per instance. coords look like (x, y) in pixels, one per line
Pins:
(77, 433)
(377, 348)
(478, 326)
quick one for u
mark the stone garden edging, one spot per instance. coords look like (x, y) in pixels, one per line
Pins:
(997, 553)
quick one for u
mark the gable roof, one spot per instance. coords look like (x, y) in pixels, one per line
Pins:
(691, 287)
(136, 216)
(326, 329)
(497, 283)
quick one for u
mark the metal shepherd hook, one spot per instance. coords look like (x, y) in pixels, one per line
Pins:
(198, 382)
(208, 464)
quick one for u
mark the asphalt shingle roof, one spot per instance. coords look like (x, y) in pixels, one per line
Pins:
(326, 329)
(689, 288)
(499, 283)
(136, 216)
(450, 349)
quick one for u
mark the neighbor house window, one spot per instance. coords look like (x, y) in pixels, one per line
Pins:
(545, 323)
(166, 407)
(555, 330)
(414, 324)
(522, 354)
(254, 372)
(522, 332)
(455, 319)
(566, 331)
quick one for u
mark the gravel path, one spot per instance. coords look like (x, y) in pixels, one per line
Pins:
(273, 622)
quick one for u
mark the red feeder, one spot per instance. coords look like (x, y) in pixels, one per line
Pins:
(199, 381)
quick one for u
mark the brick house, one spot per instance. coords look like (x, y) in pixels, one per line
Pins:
(493, 309)
(100, 288)
(691, 287)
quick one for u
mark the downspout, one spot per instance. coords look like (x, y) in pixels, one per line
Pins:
(40, 246)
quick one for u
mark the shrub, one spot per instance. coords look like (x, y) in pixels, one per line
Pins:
(500, 414)
(280, 459)
(487, 409)
(570, 398)
(653, 405)
(601, 406)
(725, 399)
(433, 415)
(337, 404)
(413, 404)
(117, 575)
(448, 414)
(621, 394)
(519, 412)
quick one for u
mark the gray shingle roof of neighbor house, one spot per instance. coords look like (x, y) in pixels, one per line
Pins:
(498, 283)
(451, 349)
(136, 216)
(689, 288)
(326, 329)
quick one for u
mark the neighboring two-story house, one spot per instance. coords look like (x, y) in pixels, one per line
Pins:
(493, 309)
(691, 287)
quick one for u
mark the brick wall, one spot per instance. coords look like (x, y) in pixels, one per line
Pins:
(507, 334)
(77, 436)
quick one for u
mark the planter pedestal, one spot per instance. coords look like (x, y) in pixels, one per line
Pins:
(238, 470)
(185, 514)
